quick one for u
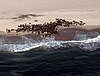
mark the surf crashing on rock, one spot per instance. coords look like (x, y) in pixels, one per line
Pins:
(90, 41)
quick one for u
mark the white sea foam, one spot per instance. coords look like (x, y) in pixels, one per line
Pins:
(50, 42)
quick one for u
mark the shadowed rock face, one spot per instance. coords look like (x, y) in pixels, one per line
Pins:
(21, 17)
(63, 35)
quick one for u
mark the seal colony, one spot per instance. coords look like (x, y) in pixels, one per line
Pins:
(47, 28)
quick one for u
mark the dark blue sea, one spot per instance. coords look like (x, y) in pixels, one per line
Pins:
(49, 57)
(59, 62)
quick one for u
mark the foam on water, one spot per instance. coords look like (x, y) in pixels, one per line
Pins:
(50, 42)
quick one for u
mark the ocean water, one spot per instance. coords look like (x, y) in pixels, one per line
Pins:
(47, 56)
(50, 57)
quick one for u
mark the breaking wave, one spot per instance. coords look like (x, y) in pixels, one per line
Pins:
(90, 41)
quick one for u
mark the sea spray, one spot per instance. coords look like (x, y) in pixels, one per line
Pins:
(90, 43)
(83, 35)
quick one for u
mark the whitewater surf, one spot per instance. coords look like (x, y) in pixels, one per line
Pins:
(89, 41)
